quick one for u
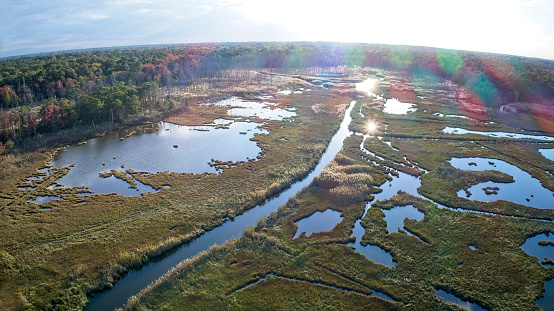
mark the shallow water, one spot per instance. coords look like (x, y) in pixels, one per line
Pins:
(44, 199)
(395, 216)
(317, 222)
(166, 147)
(546, 302)
(461, 131)
(533, 248)
(403, 182)
(461, 117)
(366, 86)
(260, 111)
(154, 148)
(394, 106)
(526, 190)
(462, 303)
(131, 283)
(289, 92)
(547, 153)
(264, 110)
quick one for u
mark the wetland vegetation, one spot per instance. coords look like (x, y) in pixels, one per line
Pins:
(55, 254)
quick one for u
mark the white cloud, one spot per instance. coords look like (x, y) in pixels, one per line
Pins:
(133, 2)
(101, 16)
(537, 3)
(206, 8)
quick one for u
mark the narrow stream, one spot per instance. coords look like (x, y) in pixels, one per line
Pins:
(135, 280)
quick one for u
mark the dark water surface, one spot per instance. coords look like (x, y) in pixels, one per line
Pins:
(395, 216)
(462, 303)
(525, 190)
(533, 248)
(318, 221)
(403, 182)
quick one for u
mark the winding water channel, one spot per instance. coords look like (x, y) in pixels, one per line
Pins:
(135, 280)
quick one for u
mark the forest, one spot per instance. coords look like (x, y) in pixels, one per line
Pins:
(46, 93)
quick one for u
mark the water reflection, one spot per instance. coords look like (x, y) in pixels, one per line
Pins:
(526, 190)
(403, 182)
(44, 199)
(265, 110)
(540, 246)
(366, 86)
(135, 280)
(546, 302)
(155, 148)
(461, 131)
(462, 303)
(547, 153)
(317, 222)
(394, 106)
(395, 217)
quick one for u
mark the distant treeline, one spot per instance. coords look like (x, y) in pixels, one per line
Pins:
(49, 92)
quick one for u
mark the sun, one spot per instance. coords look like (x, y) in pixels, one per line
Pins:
(371, 127)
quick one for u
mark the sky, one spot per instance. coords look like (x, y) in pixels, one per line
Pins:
(517, 27)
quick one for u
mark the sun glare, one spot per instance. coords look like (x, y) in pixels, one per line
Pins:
(371, 127)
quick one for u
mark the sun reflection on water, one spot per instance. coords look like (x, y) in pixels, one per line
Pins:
(372, 127)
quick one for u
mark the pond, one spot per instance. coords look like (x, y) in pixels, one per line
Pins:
(44, 199)
(162, 146)
(540, 246)
(395, 217)
(461, 131)
(317, 222)
(289, 92)
(546, 302)
(441, 115)
(154, 148)
(526, 190)
(263, 110)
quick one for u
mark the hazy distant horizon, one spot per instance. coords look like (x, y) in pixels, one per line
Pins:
(239, 42)
(514, 27)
